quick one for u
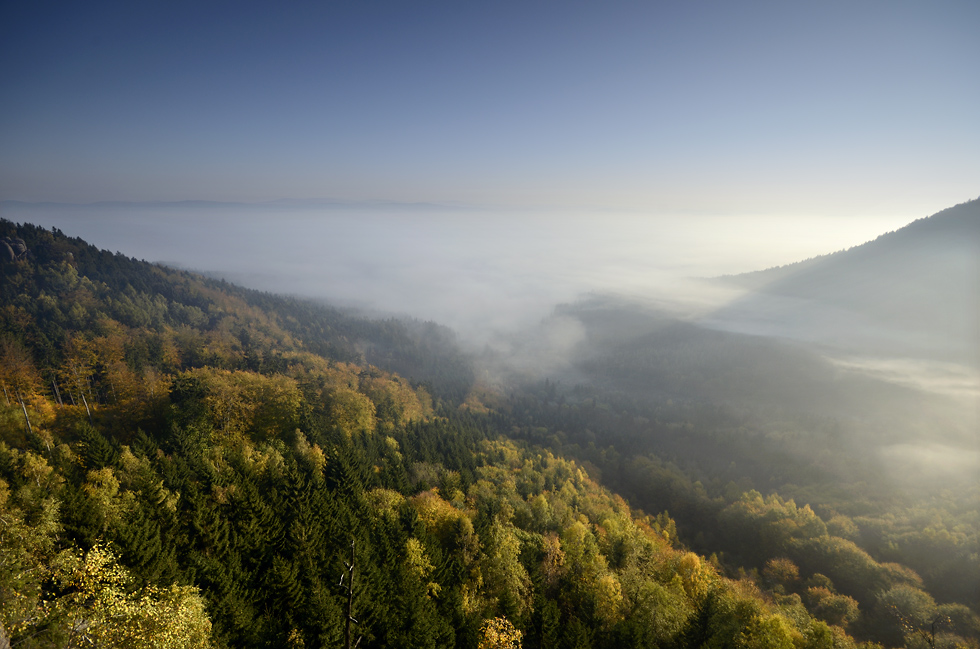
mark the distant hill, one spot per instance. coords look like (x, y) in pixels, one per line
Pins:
(190, 461)
(421, 351)
(913, 292)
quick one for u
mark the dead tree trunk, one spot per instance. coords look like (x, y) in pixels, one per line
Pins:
(86, 407)
(57, 393)
(350, 600)
(30, 429)
(81, 391)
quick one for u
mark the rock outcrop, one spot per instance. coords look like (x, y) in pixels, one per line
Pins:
(12, 249)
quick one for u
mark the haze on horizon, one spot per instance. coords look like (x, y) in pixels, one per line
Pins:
(477, 164)
(483, 272)
(557, 148)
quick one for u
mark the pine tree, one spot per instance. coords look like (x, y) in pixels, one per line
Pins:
(97, 450)
(142, 548)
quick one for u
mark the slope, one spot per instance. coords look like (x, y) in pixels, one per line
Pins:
(913, 292)
(179, 468)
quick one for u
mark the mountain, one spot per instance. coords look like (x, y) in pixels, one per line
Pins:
(914, 292)
(186, 463)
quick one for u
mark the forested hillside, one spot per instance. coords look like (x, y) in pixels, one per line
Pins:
(185, 463)
(914, 291)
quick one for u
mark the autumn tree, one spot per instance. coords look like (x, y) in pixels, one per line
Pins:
(499, 633)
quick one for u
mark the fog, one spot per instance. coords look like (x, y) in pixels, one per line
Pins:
(482, 272)
(496, 276)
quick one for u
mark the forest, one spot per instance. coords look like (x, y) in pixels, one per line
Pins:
(188, 463)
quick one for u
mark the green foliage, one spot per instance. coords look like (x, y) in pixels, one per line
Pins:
(201, 458)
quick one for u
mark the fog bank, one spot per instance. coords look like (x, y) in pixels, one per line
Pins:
(479, 271)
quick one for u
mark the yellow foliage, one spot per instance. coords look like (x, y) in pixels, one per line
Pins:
(769, 632)
(575, 539)
(102, 610)
(385, 501)
(312, 454)
(399, 394)
(695, 575)
(295, 639)
(393, 446)
(504, 575)
(781, 571)
(499, 633)
(102, 487)
(541, 511)
(245, 402)
(439, 516)
(416, 560)
(35, 468)
(17, 371)
(351, 411)
(609, 600)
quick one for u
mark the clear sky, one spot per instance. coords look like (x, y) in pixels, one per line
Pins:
(836, 108)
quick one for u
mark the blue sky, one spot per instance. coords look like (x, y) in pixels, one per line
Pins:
(837, 108)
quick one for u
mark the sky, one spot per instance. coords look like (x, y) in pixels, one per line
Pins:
(481, 162)
(834, 108)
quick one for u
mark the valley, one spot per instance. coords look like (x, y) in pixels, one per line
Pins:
(179, 453)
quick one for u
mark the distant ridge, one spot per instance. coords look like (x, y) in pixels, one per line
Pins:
(914, 291)
(962, 220)
(287, 203)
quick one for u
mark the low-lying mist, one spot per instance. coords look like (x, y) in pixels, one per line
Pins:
(902, 415)
(478, 271)
(640, 318)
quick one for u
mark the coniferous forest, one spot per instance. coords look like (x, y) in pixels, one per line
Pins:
(187, 463)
